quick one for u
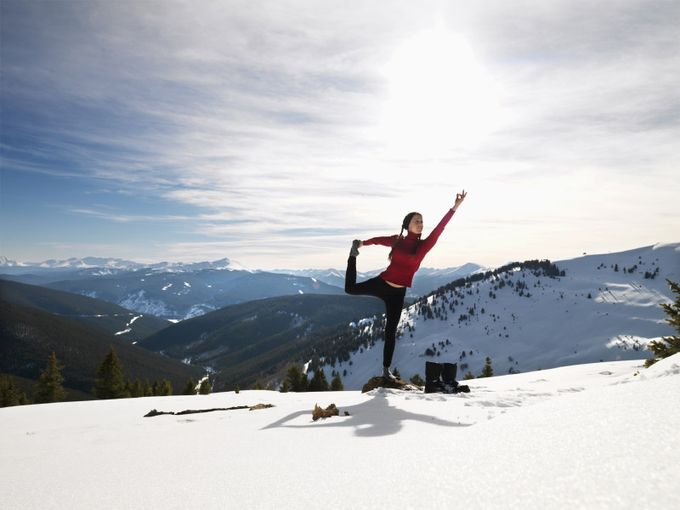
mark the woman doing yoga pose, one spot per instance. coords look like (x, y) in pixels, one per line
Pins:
(405, 258)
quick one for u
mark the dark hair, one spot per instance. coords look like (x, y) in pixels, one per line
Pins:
(404, 226)
(407, 220)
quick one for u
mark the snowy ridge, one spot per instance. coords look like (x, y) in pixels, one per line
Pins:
(605, 307)
(586, 436)
(425, 279)
(108, 264)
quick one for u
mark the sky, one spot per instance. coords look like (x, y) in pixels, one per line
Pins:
(273, 133)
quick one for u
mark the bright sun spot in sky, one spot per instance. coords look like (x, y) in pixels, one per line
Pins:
(439, 97)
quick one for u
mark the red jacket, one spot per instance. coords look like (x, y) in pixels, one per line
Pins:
(405, 262)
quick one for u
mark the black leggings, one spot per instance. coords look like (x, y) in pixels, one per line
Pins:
(392, 296)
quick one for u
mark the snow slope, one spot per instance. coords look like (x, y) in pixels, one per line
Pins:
(603, 309)
(585, 436)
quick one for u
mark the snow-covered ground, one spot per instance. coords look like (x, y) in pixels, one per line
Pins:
(590, 436)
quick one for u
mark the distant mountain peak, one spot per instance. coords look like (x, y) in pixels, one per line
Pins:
(5, 262)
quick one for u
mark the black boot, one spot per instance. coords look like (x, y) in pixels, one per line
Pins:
(449, 372)
(433, 382)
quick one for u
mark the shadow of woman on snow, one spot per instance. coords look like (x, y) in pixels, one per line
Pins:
(375, 417)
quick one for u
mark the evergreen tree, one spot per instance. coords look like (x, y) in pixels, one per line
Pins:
(128, 389)
(319, 381)
(468, 376)
(136, 388)
(487, 371)
(10, 394)
(164, 388)
(336, 383)
(285, 387)
(668, 345)
(49, 387)
(190, 388)
(110, 382)
(148, 390)
(205, 387)
(417, 380)
(297, 380)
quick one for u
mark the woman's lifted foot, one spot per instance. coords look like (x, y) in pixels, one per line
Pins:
(354, 252)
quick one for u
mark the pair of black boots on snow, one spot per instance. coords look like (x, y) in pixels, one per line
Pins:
(441, 378)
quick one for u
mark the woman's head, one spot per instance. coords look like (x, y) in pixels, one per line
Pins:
(413, 223)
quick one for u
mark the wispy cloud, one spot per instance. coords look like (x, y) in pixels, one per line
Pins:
(123, 218)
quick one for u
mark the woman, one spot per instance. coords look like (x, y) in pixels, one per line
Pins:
(405, 259)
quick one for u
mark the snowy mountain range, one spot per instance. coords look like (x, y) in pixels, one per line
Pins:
(13, 267)
(182, 295)
(601, 308)
(425, 281)
(179, 291)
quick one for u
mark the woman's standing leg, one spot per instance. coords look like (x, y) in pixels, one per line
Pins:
(393, 304)
(393, 299)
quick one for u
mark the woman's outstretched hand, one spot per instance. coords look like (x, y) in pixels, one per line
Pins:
(459, 199)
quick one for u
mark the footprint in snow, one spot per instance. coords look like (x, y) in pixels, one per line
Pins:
(570, 390)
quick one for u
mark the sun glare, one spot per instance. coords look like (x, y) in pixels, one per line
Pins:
(439, 98)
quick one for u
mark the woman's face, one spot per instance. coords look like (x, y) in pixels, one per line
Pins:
(416, 224)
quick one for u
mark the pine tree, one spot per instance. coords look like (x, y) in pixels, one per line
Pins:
(297, 380)
(110, 382)
(148, 390)
(336, 383)
(487, 371)
(668, 345)
(49, 387)
(319, 381)
(417, 380)
(190, 388)
(205, 387)
(8, 392)
(136, 389)
(164, 388)
(285, 387)
(10, 395)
